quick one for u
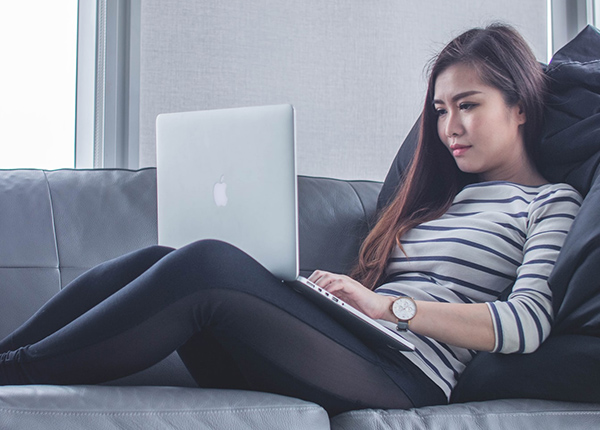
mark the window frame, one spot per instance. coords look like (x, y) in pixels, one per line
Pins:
(108, 84)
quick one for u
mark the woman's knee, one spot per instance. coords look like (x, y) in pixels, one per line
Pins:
(140, 260)
(212, 257)
(209, 249)
(212, 264)
(156, 252)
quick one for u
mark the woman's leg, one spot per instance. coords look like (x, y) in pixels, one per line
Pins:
(276, 339)
(323, 363)
(82, 294)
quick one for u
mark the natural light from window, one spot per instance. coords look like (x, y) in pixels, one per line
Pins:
(38, 44)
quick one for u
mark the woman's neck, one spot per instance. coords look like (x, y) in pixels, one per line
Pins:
(524, 173)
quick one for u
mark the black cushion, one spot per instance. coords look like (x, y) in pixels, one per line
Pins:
(571, 136)
(399, 167)
(563, 368)
(571, 153)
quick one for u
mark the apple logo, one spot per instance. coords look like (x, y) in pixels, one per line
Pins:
(220, 192)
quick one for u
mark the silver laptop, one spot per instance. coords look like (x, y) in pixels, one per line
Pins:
(230, 174)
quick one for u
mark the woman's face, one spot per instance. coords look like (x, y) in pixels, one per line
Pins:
(481, 132)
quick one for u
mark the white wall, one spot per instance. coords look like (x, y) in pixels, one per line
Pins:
(353, 69)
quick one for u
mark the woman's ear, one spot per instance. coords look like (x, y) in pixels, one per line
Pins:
(520, 112)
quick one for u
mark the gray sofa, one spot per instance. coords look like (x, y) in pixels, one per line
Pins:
(56, 224)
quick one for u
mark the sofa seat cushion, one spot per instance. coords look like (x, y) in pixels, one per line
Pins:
(102, 408)
(497, 414)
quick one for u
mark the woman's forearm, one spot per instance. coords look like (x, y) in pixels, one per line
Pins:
(464, 325)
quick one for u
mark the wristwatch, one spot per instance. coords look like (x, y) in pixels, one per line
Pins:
(405, 309)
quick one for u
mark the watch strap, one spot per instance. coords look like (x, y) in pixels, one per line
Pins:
(402, 325)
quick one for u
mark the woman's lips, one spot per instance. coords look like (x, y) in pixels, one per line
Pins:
(458, 150)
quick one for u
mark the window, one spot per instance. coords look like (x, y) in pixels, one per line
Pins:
(38, 43)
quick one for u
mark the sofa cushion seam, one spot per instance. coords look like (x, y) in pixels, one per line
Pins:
(481, 414)
(54, 229)
(171, 412)
(362, 205)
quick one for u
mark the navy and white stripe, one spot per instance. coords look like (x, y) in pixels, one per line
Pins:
(496, 236)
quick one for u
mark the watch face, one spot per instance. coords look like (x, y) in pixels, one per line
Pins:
(404, 309)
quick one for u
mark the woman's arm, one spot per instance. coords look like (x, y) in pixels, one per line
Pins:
(525, 319)
(464, 325)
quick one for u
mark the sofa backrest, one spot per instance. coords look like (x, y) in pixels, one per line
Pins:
(28, 253)
(334, 216)
(57, 224)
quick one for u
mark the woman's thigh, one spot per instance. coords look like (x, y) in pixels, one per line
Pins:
(274, 339)
(265, 347)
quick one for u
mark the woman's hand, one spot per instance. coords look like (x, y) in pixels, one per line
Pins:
(352, 292)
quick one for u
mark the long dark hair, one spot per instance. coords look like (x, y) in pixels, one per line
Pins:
(502, 60)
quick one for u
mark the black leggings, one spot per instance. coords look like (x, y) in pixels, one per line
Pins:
(232, 322)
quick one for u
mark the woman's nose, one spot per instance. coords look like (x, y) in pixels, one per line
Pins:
(453, 126)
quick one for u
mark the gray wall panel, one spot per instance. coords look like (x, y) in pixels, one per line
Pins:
(353, 69)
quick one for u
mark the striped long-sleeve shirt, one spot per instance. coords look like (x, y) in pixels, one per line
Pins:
(496, 237)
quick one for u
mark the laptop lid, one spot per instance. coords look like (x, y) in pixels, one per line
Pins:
(230, 175)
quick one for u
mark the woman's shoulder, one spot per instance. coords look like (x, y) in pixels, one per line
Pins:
(532, 193)
(555, 200)
(531, 202)
(555, 192)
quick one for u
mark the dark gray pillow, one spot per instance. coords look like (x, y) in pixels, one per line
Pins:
(563, 368)
(399, 166)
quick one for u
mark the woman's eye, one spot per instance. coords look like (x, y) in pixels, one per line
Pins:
(467, 106)
(440, 111)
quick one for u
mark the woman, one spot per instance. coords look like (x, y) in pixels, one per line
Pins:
(435, 264)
